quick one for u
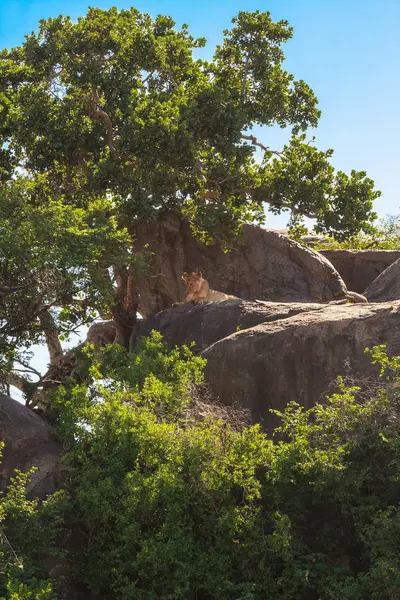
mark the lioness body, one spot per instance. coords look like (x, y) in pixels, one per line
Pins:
(198, 289)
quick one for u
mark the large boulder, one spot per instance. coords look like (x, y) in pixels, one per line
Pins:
(265, 265)
(29, 442)
(359, 268)
(207, 322)
(386, 287)
(298, 358)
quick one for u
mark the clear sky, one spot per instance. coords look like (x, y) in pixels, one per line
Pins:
(348, 51)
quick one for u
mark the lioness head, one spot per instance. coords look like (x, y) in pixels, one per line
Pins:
(193, 282)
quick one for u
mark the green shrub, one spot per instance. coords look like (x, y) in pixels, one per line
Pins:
(176, 508)
(28, 529)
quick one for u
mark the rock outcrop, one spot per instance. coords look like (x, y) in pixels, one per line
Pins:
(386, 287)
(359, 268)
(207, 322)
(264, 266)
(101, 333)
(261, 355)
(29, 442)
(298, 358)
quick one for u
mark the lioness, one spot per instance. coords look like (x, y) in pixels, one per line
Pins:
(197, 289)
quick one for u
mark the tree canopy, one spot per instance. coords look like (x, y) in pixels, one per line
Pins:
(112, 119)
(116, 103)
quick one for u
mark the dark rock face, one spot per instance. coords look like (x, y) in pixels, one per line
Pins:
(29, 442)
(386, 287)
(207, 322)
(261, 355)
(101, 333)
(359, 268)
(296, 359)
(263, 266)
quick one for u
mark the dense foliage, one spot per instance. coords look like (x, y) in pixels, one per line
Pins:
(173, 506)
(28, 530)
(51, 255)
(116, 103)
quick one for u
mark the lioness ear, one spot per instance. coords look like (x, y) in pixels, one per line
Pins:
(200, 274)
(184, 277)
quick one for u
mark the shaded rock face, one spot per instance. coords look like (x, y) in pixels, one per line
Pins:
(298, 358)
(29, 442)
(359, 268)
(101, 333)
(207, 322)
(264, 266)
(386, 287)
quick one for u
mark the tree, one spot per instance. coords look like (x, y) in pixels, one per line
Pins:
(114, 112)
(51, 280)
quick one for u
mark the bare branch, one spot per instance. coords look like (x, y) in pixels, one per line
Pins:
(254, 141)
(27, 368)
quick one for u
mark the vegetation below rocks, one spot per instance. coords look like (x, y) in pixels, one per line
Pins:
(173, 502)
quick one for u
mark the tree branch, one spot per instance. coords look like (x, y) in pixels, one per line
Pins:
(51, 335)
(17, 381)
(149, 76)
(298, 212)
(254, 141)
(103, 115)
(27, 368)
(244, 80)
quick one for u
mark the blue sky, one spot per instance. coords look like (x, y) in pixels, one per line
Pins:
(348, 51)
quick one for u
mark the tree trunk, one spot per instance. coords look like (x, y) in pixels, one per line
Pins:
(124, 311)
(51, 334)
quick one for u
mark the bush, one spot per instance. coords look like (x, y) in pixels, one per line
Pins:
(172, 507)
(182, 509)
(27, 534)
